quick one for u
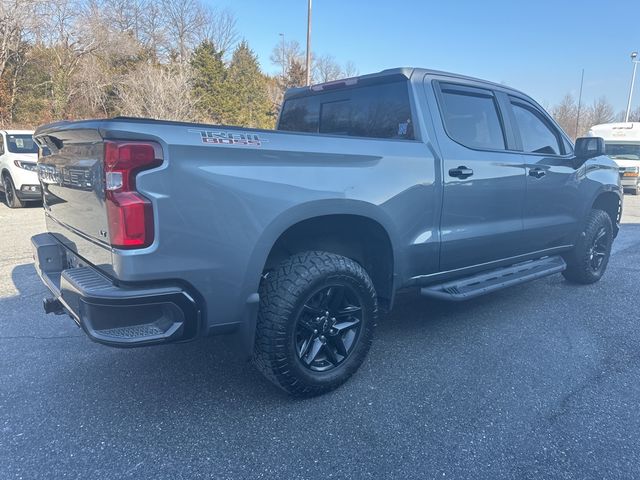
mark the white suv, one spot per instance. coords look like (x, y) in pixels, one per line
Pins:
(18, 157)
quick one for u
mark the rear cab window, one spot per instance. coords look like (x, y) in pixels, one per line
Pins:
(471, 117)
(374, 111)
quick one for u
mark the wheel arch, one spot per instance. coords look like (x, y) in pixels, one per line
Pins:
(610, 202)
(295, 218)
(349, 228)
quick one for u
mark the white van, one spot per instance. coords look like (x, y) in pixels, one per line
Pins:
(18, 157)
(622, 144)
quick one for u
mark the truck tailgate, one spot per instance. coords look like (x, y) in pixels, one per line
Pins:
(73, 192)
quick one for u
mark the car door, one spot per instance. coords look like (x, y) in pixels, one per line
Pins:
(483, 180)
(552, 199)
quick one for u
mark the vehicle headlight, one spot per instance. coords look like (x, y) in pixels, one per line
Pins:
(31, 166)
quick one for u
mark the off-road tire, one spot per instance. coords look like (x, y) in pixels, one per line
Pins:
(580, 267)
(283, 293)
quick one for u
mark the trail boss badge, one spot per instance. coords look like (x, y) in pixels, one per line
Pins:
(219, 137)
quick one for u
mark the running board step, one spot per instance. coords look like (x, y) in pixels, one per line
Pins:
(494, 280)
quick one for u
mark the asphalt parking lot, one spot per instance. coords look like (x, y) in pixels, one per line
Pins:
(539, 381)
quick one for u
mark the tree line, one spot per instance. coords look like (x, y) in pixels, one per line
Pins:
(169, 59)
(576, 119)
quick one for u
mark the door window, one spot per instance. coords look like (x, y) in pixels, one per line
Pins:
(535, 132)
(471, 117)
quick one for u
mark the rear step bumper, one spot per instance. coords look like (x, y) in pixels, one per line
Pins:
(494, 280)
(114, 315)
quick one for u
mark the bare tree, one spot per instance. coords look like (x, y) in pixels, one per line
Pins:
(326, 69)
(565, 113)
(350, 70)
(153, 32)
(186, 21)
(123, 16)
(634, 115)
(158, 92)
(105, 66)
(14, 21)
(221, 30)
(285, 55)
(600, 112)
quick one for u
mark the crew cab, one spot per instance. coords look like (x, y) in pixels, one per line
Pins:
(18, 168)
(293, 241)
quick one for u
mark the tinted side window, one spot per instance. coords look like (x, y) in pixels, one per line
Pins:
(536, 134)
(471, 118)
(378, 111)
(1, 144)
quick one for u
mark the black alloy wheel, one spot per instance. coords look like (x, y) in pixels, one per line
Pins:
(328, 327)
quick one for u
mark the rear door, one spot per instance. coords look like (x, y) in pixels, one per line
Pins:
(553, 199)
(484, 182)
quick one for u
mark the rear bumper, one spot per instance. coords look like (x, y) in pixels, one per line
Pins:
(120, 316)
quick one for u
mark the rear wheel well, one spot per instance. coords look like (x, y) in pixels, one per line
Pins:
(358, 238)
(610, 203)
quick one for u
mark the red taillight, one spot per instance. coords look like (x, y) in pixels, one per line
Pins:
(130, 215)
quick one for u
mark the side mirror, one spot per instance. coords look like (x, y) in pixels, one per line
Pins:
(589, 147)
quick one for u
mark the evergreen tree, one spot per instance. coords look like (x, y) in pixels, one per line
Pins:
(209, 73)
(296, 75)
(249, 103)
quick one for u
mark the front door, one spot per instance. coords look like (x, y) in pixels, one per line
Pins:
(484, 182)
(552, 202)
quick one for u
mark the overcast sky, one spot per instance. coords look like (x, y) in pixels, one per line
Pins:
(539, 46)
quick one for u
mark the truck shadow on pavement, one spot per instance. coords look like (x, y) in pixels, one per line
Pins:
(196, 375)
(203, 371)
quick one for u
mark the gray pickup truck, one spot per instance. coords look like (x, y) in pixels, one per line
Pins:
(292, 241)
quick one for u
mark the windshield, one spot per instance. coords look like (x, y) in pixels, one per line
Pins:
(21, 144)
(620, 150)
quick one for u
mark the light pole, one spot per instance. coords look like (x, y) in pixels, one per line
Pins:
(634, 55)
(309, 43)
(579, 103)
(284, 61)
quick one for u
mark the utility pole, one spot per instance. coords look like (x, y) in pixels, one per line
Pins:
(579, 104)
(309, 43)
(634, 55)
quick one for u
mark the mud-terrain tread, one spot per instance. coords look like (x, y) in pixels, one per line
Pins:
(578, 269)
(279, 293)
